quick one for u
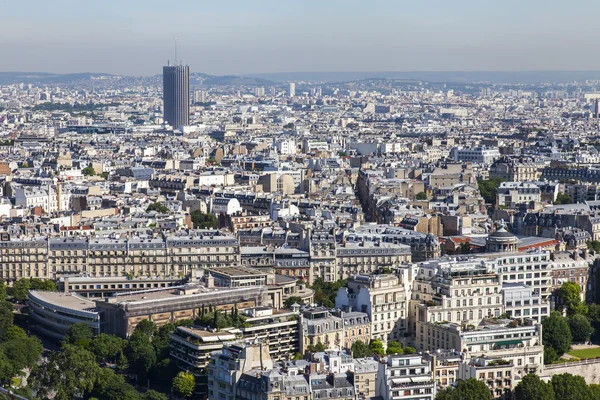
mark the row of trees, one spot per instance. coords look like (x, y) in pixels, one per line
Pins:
(216, 319)
(76, 370)
(531, 387)
(375, 348)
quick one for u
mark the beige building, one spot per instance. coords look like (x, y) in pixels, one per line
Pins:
(383, 298)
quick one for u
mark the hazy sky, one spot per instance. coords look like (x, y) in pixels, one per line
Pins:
(135, 37)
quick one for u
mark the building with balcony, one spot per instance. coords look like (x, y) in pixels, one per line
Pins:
(405, 377)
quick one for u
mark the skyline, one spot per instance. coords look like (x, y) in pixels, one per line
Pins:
(137, 38)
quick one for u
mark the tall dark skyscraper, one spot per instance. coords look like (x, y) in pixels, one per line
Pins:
(176, 95)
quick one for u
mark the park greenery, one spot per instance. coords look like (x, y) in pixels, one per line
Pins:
(204, 220)
(489, 189)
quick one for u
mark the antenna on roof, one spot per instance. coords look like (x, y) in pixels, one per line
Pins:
(175, 51)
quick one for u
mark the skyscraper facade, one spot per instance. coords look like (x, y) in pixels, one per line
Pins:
(176, 95)
(292, 89)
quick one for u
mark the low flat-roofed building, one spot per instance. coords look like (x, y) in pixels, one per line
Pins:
(93, 287)
(237, 276)
(52, 313)
(122, 313)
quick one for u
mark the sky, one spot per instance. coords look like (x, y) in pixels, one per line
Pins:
(136, 37)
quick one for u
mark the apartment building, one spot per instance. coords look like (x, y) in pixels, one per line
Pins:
(406, 377)
(368, 257)
(383, 298)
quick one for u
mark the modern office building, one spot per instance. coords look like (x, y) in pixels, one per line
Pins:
(292, 89)
(176, 95)
(52, 313)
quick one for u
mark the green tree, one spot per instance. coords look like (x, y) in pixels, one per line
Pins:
(140, 353)
(122, 362)
(570, 387)
(393, 347)
(42, 284)
(184, 384)
(489, 189)
(107, 347)
(106, 378)
(550, 355)
(105, 175)
(146, 326)
(421, 196)
(410, 350)
(19, 353)
(556, 333)
(593, 315)
(69, 373)
(569, 296)
(581, 329)
(360, 349)
(153, 395)
(594, 245)
(563, 198)
(158, 207)
(15, 332)
(6, 320)
(292, 300)
(19, 289)
(471, 389)
(204, 220)
(532, 387)
(376, 347)
(88, 171)
(595, 391)
(79, 334)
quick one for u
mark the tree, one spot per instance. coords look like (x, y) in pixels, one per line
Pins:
(376, 347)
(153, 395)
(79, 334)
(570, 298)
(489, 189)
(68, 373)
(360, 349)
(6, 320)
(204, 220)
(317, 348)
(88, 171)
(594, 245)
(593, 315)
(532, 387)
(19, 353)
(556, 333)
(570, 387)
(140, 353)
(550, 355)
(107, 347)
(146, 326)
(581, 329)
(292, 300)
(595, 391)
(158, 207)
(184, 384)
(15, 332)
(563, 198)
(105, 175)
(421, 196)
(410, 350)
(42, 284)
(19, 289)
(471, 389)
(106, 378)
(393, 347)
